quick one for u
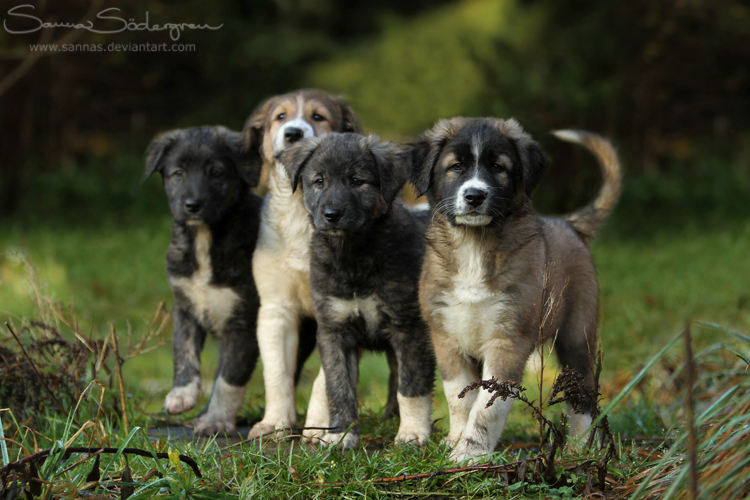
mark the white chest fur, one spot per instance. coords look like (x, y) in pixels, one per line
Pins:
(473, 313)
(286, 229)
(367, 307)
(212, 305)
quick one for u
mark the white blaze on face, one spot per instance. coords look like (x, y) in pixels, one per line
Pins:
(463, 208)
(297, 122)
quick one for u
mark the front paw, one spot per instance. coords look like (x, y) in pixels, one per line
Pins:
(345, 441)
(183, 398)
(414, 437)
(267, 429)
(316, 433)
(207, 425)
(450, 441)
(469, 450)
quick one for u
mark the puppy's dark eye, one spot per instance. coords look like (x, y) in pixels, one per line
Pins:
(457, 167)
(318, 117)
(356, 181)
(281, 116)
(318, 183)
(178, 173)
(215, 173)
(497, 167)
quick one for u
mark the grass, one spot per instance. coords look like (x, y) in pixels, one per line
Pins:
(668, 256)
(290, 470)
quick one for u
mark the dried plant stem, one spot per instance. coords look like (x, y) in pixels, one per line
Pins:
(97, 450)
(36, 370)
(118, 364)
(426, 475)
(693, 485)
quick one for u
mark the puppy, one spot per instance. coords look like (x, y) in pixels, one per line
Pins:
(498, 278)
(209, 265)
(366, 253)
(281, 263)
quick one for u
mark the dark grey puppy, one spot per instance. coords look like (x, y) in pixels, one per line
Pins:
(366, 254)
(209, 265)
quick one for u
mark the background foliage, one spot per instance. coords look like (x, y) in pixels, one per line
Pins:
(669, 80)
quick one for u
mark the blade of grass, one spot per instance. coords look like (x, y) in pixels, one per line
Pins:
(635, 380)
(122, 447)
(739, 335)
(3, 446)
(737, 353)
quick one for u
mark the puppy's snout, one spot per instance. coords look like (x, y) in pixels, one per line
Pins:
(333, 214)
(193, 205)
(293, 134)
(475, 197)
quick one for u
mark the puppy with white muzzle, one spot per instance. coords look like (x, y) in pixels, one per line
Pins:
(365, 256)
(498, 278)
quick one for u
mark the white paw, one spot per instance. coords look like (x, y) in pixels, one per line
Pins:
(578, 423)
(183, 398)
(268, 429)
(413, 437)
(469, 450)
(208, 425)
(345, 441)
(450, 440)
(314, 435)
(416, 422)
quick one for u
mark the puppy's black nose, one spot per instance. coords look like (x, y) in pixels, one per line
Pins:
(475, 197)
(192, 205)
(333, 214)
(293, 134)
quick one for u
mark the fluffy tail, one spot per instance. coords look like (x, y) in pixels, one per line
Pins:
(590, 218)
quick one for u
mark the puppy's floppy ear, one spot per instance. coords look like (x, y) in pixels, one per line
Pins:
(533, 161)
(422, 154)
(349, 121)
(249, 171)
(295, 157)
(252, 148)
(391, 166)
(534, 166)
(420, 158)
(157, 151)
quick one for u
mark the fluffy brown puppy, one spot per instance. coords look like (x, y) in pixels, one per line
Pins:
(493, 267)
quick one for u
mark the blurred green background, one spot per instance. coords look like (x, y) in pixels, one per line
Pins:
(668, 81)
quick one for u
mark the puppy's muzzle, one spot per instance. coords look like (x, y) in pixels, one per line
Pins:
(193, 206)
(333, 215)
(293, 134)
(475, 197)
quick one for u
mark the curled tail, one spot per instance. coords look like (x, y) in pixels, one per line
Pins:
(590, 218)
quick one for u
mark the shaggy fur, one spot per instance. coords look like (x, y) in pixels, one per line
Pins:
(498, 279)
(281, 263)
(366, 252)
(209, 263)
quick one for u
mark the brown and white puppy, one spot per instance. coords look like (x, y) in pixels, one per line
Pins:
(498, 278)
(281, 262)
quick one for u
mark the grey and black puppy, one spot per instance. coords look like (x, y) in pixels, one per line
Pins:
(366, 253)
(209, 265)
